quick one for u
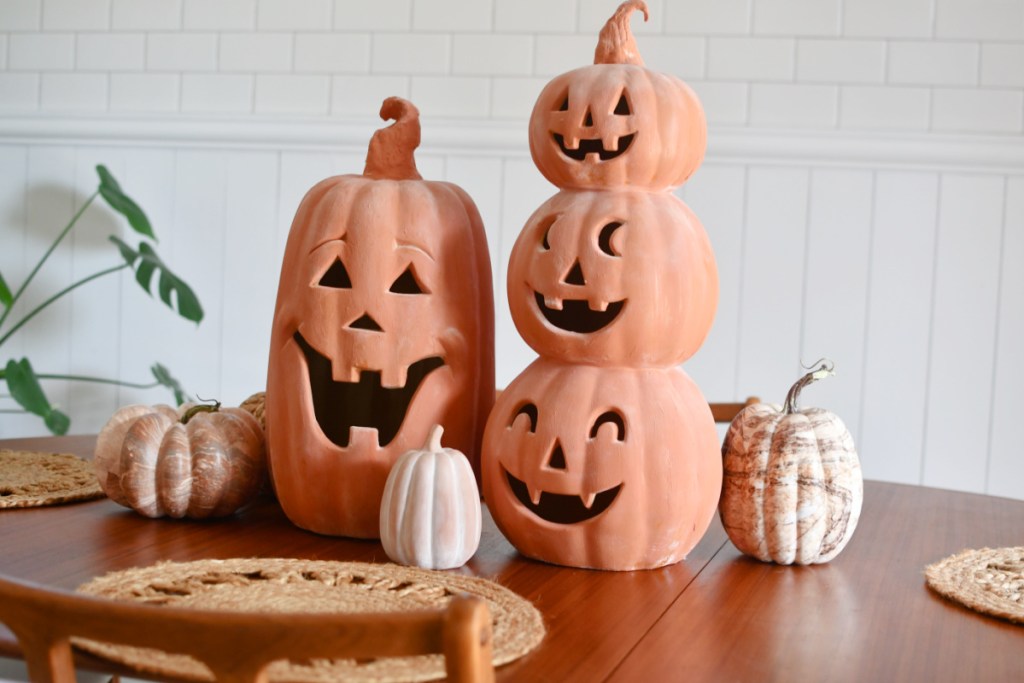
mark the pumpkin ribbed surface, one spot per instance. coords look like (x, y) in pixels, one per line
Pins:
(793, 487)
(430, 513)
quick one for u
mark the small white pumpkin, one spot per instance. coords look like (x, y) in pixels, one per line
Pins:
(430, 514)
(792, 489)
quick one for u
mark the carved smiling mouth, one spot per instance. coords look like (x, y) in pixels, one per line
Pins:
(576, 315)
(559, 508)
(593, 147)
(339, 406)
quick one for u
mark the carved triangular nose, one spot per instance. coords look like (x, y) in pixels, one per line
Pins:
(575, 275)
(365, 322)
(588, 120)
(557, 459)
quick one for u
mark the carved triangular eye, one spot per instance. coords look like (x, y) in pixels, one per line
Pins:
(622, 108)
(336, 276)
(565, 103)
(406, 283)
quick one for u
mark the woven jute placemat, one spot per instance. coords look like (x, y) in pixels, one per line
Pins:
(34, 479)
(287, 585)
(989, 580)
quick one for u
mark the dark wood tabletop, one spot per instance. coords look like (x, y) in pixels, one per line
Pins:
(717, 616)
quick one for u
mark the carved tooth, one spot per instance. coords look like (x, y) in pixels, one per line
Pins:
(554, 302)
(571, 142)
(393, 378)
(598, 305)
(588, 500)
(349, 374)
(534, 494)
(611, 143)
(592, 158)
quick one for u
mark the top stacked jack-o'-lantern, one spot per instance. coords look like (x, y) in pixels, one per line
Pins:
(384, 326)
(616, 123)
(602, 453)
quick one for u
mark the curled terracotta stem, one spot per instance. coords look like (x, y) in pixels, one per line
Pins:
(615, 44)
(391, 148)
(820, 370)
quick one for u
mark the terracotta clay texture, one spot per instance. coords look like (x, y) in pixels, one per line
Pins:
(384, 326)
(607, 468)
(613, 278)
(617, 123)
(430, 514)
(163, 462)
(793, 487)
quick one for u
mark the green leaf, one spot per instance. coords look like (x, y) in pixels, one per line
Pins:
(57, 422)
(6, 298)
(163, 376)
(146, 262)
(25, 389)
(110, 190)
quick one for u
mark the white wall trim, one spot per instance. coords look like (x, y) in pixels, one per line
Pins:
(979, 153)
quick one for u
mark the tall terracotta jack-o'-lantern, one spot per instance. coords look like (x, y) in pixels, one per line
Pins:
(384, 326)
(616, 122)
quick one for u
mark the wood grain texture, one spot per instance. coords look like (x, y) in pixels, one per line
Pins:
(716, 616)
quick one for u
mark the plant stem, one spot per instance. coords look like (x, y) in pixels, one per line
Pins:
(100, 380)
(58, 295)
(49, 251)
(13, 412)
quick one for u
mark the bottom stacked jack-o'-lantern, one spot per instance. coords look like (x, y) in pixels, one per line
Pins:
(606, 468)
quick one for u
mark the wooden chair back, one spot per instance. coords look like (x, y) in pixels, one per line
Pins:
(238, 646)
(727, 412)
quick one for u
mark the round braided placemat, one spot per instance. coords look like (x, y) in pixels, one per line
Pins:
(990, 580)
(285, 585)
(33, 479)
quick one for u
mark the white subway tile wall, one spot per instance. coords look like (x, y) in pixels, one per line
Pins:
(911, 51)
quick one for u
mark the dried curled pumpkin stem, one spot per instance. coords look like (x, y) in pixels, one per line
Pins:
(390, 155)
(201, 408)
(820, 370)
(615, 44)
(433, 443)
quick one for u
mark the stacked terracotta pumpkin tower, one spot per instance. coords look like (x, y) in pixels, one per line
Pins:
(603, 452)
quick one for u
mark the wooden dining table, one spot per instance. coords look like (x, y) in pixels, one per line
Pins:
(716, 616)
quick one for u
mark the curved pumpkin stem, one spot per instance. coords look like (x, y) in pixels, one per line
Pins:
(391, 149)
(615, 44)
(825, 368)
(200, 408)
(433, 443)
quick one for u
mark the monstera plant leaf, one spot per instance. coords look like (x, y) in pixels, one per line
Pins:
(146, 263)
(110, 190)
(25, 389)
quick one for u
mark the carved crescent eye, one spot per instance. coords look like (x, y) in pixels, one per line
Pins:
(406, 283)
(530, 411)
(604, 240)
(565, 103)
(336, 276)
(545, 229)
(615, 418)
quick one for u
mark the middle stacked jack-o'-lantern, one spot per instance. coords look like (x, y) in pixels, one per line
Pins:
(384, 326)
(601, 453)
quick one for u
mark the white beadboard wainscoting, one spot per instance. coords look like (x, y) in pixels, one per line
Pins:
(896, 256)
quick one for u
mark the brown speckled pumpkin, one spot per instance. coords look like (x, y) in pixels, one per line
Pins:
(793, 489)
(202, 461)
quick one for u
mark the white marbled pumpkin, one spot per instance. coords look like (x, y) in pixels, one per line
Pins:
(430, 513)
(792, 489)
